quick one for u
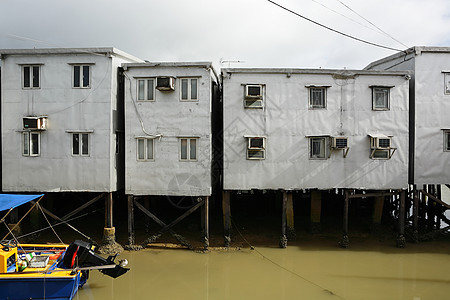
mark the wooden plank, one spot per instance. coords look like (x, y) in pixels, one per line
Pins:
(95, 199)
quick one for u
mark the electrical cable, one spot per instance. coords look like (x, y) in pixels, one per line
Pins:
(381, 30)
(334, 30)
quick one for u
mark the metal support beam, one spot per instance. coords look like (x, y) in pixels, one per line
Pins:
(226, 210)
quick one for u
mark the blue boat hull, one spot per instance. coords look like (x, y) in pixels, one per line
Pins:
(39, 288)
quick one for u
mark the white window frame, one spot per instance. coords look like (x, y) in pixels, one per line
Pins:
(446, 82)
(387, 91)
(261, 151)
(146, 89)
(81, 76)
(145, 141)
(31, 76)
(311, 90)
(324, 142)
(27, 148)
(189, 94)
(81, 144)
(188, 148)
(447, 140)
(254, 102)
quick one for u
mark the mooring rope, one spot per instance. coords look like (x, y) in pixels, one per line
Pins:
(50, 224)
(282, 267)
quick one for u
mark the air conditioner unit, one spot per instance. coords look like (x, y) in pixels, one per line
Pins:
(253, 103)
(339, 142)
(383, 143)
(165, 83)
(36, 123)
(257, 143)
(253, 91)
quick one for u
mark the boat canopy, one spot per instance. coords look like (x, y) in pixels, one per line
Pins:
(8, 201)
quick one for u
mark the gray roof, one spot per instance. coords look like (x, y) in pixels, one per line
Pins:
(61, 51)
(168, 64)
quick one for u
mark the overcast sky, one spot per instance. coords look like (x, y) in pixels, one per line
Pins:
(255, 32)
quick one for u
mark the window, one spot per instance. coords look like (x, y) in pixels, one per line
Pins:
(81, 76)
(253, 97)
(256, 147)
(189, 89)
(317, 97)
(146, 89)
(447, 83)
(188, 149)
(80, 144)
(380, 98)
(31, 143)
(31, 77)
(318, 147)
(446, 140)
(145, 149)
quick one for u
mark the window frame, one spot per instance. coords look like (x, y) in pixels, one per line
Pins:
(146, 81)
(446, 82)
(189, 89)
(31, 76)
(446, 140)
(261, 150)
(326, 147)
(81, 76)
(188, 149)
(27, 136)
(81, 143)
(387, 89)
(146, 141)
(250, 100)
(311, 90)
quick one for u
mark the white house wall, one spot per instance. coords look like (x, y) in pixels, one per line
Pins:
(286, 121)
(68, 109)
(169, 118)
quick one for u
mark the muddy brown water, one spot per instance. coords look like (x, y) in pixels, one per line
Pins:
(310, 269)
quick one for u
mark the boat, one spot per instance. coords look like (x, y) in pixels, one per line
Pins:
(47, 271)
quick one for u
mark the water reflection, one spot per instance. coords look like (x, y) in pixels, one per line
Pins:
(313, 270)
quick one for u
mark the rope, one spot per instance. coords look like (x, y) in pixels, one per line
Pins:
(50, 224)
(284, 268)
(22, 216)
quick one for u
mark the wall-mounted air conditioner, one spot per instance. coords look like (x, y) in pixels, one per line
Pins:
(382, 143)
(165, 83)
(339, 142)
(35, 123)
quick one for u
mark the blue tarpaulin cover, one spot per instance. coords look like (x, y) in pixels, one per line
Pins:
(8, 201)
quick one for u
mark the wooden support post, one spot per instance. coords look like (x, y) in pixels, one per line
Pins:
(377, 213)
(401, 241)
(316, 210)
(415, 215)
(109, 211)
(131, 233)
(439, 207)
(283, 239)
(345, 242)
(226, 210)
(205, 222)
(290, 217)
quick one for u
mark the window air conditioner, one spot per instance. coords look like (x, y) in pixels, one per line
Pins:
(383, 143)
(340, 142)
(165, 83)
(253, 91)
(36, 123)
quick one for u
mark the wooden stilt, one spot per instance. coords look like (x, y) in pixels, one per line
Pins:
(109, 211)
(377, 213)
(290, 217)
(345, 242)
(316, 210)
(131, 234)
(283, 239)
(226, 210)
(415, 215)
(401, 241)
(206, 223)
